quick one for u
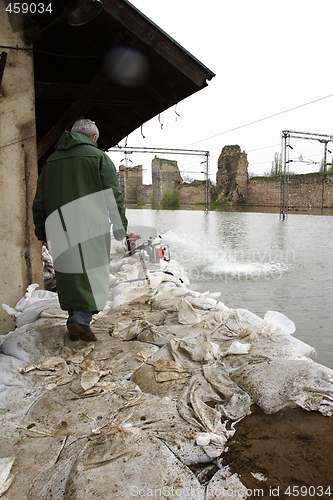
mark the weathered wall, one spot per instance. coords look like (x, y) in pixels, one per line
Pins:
(130, 179)
(20, 252)
(192, 194)
(310, 191)
(232, 185)
(263, 191)
(232, 175)
(134, 191)
(304, 191)
(146, 193)
(165, 175)
(328, 192)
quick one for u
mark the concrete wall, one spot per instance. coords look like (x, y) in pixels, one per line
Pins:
(20, 252)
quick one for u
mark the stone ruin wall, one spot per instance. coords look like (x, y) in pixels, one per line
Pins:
(328, 192)
(232, 185)
(311, 191)
(192, 194)
(232, 175)
(263, 192)
(165, 175)
(146, 193)
(130, 180)
(304, 191)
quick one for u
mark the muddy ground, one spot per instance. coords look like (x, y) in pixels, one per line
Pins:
(290, 451)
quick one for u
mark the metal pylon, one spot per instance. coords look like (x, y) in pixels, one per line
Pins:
(286, 135)
(285, 175)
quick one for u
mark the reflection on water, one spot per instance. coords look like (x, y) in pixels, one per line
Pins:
(266, 210)
(257, 262)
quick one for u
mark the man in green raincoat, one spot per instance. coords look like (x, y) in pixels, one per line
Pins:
(77, 197)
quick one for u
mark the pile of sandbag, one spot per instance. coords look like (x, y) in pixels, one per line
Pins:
(148, 409)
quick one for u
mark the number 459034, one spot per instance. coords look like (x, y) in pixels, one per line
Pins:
(308, 491)
(29, 8)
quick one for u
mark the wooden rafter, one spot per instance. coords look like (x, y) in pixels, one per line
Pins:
(79, 106)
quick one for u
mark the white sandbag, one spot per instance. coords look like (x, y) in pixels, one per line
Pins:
(125, 405)
(226, 485)
(238, 348)
(124, 293)
(287, 383)
(6, 477)
(33, 310)
(32, 295)
(301, 347)
(177, 271)
(124, 457)
(202, 302)
(29, 308)
(187, 314)
(276, 323)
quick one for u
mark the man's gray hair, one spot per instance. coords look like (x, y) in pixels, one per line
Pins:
(85, 127)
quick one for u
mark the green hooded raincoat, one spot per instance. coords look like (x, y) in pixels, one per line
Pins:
(77, 196)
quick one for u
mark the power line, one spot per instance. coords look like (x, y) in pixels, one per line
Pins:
(260, 120)
(263, 147)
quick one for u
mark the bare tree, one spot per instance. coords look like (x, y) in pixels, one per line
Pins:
(277, 165)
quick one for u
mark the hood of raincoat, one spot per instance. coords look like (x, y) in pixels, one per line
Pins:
(70, 140)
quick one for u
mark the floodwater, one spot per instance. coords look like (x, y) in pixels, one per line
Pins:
(257, 262)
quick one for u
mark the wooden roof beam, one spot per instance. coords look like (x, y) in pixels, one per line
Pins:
(79, 106)
(68, 92)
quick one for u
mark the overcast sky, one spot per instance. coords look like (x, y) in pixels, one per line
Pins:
(269, 56)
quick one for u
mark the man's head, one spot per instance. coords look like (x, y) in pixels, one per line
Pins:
(86, 127)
